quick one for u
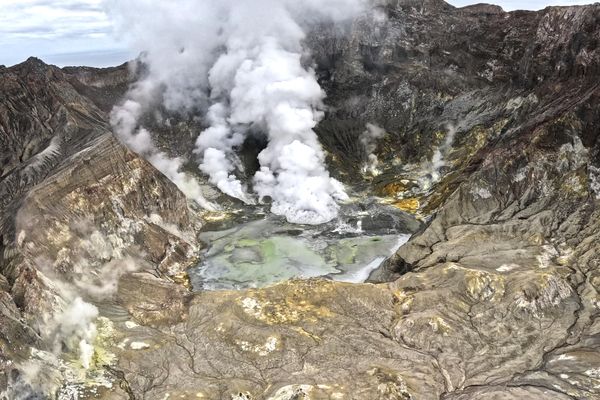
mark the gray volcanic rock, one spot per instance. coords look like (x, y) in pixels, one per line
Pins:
(491, 123)
(78, 208)
(44, 119)
(15, 334)
(503, 296)
(314, 338)
(152, 301)
(422, 72)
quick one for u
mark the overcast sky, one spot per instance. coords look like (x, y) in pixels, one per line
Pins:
(62, 32)
(78, 32)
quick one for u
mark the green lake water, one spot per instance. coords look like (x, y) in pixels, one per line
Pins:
(267, 251)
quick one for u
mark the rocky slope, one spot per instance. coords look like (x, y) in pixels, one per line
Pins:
(491, 122)
(78, 209)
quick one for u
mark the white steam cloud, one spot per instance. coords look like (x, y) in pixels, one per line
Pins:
(240, 66)
(125, 118)
(434, 168)
(437, 160)
(76, 327)
(72, 330)
(369, 139)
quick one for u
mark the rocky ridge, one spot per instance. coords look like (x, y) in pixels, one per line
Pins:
(496, 297)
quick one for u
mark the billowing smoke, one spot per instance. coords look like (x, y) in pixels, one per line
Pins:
(239, 65)
(369, 139)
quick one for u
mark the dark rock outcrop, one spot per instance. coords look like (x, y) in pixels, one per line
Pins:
(491, 121)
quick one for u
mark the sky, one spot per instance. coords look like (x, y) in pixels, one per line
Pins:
(79, 32)
(61, 32)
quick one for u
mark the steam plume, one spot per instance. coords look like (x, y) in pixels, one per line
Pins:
(125, 118)
(433, 171)
(368, 139)
(240, 65)
(437, 160)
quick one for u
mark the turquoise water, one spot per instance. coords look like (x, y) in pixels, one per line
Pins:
(267, 251)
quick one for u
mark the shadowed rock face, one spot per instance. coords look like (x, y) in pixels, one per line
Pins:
(496, 297)
(421, 71)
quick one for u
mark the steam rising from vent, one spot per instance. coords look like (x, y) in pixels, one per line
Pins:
(437, 160)
(241, 66)
(434, 168)
(76, 323)
(124, 119)
(369, 139)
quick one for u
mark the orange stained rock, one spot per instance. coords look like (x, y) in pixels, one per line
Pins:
(410, 205)
(393, 189)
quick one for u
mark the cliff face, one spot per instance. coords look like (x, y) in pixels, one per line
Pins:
(422, 71)
(78, 209)
(491, 124)
(47, 115)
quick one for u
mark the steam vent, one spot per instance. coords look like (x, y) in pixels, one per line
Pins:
(303, 200)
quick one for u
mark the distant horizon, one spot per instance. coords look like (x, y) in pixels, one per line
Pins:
(513, 5)
(99, 59)
(80, 32)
